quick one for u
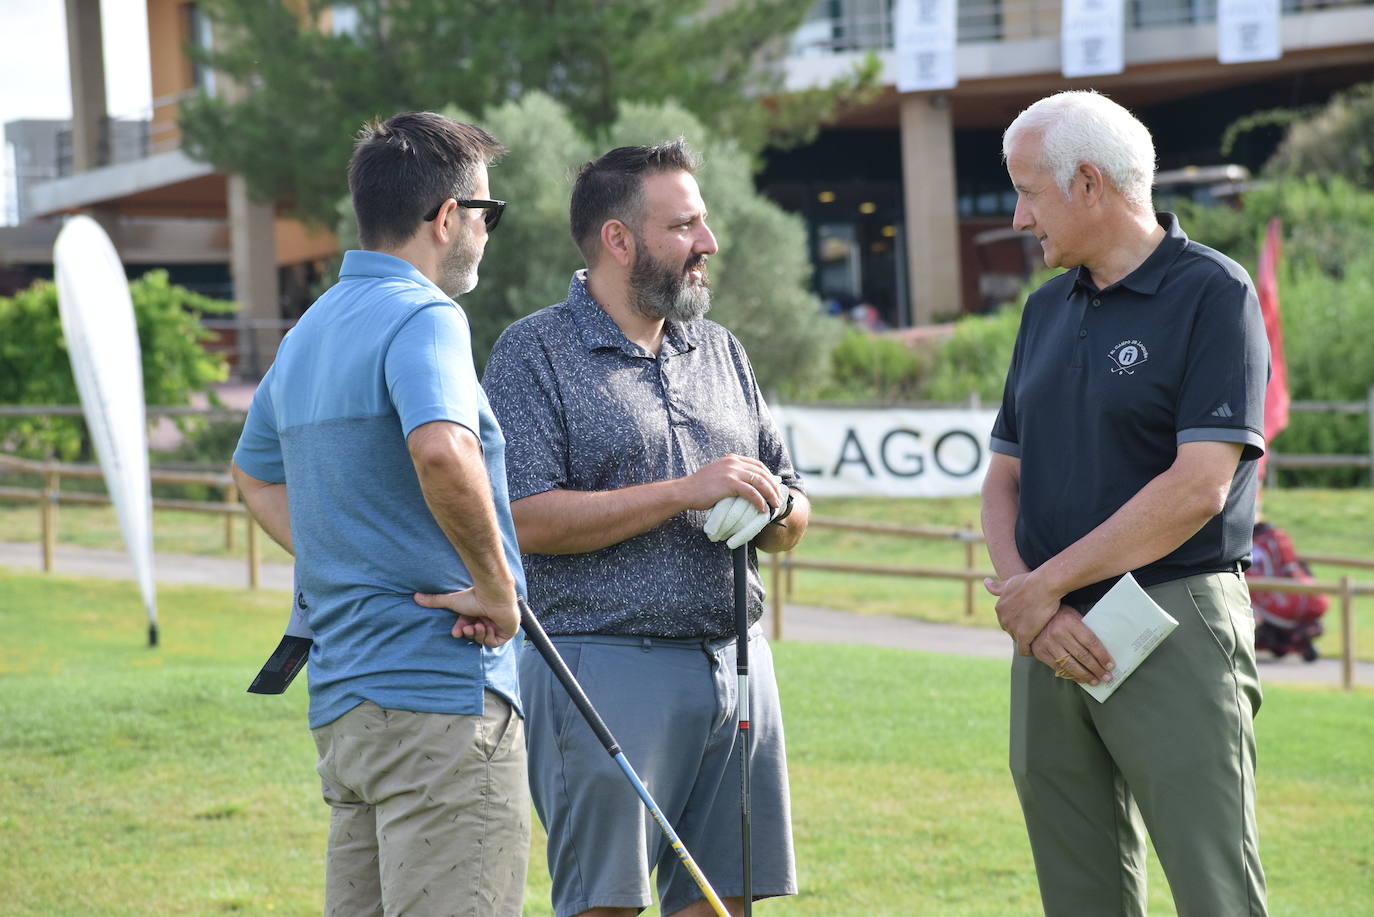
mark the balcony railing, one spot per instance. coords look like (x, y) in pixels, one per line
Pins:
(843, 26)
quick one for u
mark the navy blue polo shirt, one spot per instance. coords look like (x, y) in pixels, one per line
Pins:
(1105, 385)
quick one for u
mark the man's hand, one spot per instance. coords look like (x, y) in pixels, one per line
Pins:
(735, 476)
(1072, 650)
(483, 620)
(1024, 607)
(735, 521)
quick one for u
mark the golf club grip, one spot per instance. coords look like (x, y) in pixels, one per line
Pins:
(741, 559)
(534, 631)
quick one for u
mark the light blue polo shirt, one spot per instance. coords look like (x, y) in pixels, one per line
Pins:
(379, 354)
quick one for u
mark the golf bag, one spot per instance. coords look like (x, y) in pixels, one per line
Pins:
(1285, 622)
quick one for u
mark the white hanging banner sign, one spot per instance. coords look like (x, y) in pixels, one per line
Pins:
(1092, 37)
(887, 452)
(1248, 30)
(101, 332)
(926, 35)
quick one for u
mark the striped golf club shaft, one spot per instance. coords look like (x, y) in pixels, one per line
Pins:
(741, 561)
(534, 632)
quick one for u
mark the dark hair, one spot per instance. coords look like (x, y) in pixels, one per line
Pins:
(612, 188)
(403, 166)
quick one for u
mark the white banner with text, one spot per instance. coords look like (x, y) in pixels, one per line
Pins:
(924, 45)
(1248, 30)
(887, 452)
(1092, 37)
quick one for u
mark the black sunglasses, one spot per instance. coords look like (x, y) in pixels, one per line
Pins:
(491, 210)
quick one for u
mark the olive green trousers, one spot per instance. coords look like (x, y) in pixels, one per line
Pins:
(1171, 752)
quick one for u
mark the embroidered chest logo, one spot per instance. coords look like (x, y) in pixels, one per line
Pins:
(1127, 356)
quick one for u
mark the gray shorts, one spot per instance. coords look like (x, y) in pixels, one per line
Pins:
(671, 706)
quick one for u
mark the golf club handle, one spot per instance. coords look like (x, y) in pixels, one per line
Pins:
(534, 632)
(741, 560)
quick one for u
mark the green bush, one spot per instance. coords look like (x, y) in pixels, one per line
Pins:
(868, 367)
(1335, 142)
(1326, 305)
(759, 278)
(35, 369)
(975, 359)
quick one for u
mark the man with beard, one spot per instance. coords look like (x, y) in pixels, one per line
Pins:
(628, 418)
(371, 454)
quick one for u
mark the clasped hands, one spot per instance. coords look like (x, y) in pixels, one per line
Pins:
(1049, 630)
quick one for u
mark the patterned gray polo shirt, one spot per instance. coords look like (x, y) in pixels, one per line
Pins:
(584, 408)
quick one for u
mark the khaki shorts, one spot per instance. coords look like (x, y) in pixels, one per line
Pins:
(431, 812)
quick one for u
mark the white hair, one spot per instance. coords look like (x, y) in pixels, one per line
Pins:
(1084, 126)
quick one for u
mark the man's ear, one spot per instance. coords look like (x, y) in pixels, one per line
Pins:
(442, 227)
(1090, 178)
(618, 241)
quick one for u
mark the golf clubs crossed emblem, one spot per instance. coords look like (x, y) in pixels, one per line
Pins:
(1127, 356)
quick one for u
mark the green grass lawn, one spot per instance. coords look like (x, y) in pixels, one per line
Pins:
(146, 782)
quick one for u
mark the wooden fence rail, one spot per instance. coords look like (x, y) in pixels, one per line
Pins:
(783, 565)
(50, 496)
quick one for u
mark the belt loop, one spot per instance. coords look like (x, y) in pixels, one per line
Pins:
(646, 644)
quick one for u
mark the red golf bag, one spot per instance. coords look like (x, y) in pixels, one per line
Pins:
(1285, 622)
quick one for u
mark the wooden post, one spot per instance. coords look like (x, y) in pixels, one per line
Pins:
(1371, 435)
(969, 560)
(254, 554)
(51, 483)
(775, 592)
(1347, 635)
(231, 495)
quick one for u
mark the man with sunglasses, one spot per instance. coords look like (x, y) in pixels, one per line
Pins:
(629, 417)
(371, 453)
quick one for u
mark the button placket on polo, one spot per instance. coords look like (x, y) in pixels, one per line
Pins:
(1079, 352)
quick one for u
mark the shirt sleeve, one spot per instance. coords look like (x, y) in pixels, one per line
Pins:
(1005, 439)
(772, 449)
(259, 447)
(523, 392)
(1222, 396)
(429, 371)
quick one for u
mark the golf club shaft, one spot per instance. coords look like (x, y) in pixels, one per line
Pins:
(741, 561)
(534, 632)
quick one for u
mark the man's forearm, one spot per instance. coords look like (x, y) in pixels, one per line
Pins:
(576, 521)
(785, 535)
(453, 479)
(267, 503)
(1001, 505)
(1164, 514)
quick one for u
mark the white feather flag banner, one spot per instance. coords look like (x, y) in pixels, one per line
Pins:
(102, 341)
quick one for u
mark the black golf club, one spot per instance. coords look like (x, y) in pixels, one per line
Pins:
(741, 559)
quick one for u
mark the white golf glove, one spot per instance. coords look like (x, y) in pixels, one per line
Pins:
(736, 521)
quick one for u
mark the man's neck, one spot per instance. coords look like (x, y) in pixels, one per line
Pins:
(419, 256)
(611, 292)
(1126, 249)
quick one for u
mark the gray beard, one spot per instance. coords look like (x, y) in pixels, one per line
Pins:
(660, 292)
(458, 272)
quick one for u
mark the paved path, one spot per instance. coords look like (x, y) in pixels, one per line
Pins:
(800, 622)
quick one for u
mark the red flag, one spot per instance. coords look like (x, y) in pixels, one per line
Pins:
(1276, 394)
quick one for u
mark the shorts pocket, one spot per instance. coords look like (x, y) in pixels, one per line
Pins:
(499, 724)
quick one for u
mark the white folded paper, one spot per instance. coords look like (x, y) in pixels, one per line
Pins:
(1130, 625)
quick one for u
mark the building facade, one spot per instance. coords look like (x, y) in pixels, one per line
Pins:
(906, 200)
